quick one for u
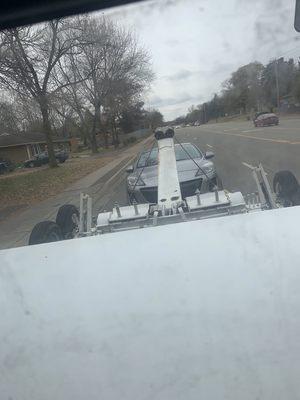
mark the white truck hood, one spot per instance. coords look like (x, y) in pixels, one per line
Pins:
(198, 310)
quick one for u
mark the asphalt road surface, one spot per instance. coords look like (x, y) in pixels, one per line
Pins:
(234, 143)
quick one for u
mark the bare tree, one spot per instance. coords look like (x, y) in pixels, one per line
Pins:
(29, 58)
(111, 67)
(9, 118)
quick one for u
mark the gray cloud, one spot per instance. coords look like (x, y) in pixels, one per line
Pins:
(157, 101)
(220, 67)
(172, 42)
(197, 44)
(184, 74)
(181, 75)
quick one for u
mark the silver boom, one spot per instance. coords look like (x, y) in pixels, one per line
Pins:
(170, 206)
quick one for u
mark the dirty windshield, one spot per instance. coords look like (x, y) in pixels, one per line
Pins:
(82, 97)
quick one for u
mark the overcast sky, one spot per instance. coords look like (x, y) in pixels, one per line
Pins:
(196, 44)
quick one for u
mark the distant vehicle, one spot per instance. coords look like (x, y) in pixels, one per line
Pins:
(257, 114)
(177, 126)
(266, 119)
(142, 181)
(43, 158)
(5, 166)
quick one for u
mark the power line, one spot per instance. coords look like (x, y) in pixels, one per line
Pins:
(288, 51)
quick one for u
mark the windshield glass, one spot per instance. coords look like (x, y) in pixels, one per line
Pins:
(204, 303)
(184, 152)
(82, 96)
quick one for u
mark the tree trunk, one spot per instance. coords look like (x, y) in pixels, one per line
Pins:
(114, 134)
(93, 140)
(83, 129)
(84, 139)
(105, 139)
(48, 133)
(83, 135)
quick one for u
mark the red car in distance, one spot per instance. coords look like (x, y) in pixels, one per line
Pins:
(266, 119)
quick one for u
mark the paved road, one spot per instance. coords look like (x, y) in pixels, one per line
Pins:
(276, 147)
(235, 143)
(105, 185)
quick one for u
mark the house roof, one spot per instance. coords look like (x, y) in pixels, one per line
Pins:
(7, 139)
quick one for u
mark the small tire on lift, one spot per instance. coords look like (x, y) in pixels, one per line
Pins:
(129, 199)
(285, 183)
(285, 186)
(67, 219)
(45, 232)
(216, 181)
(219, 183)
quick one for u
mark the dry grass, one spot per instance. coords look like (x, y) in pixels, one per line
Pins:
(30, 187)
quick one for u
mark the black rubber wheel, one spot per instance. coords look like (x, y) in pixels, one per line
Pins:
(67, 219)
(45, 232)
(61, 160)
(285, 183)
(216, 181)
(285, 186)
(219, 183)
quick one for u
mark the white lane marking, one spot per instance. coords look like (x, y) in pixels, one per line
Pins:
(257, 138)
(252, 130)
(208, 145)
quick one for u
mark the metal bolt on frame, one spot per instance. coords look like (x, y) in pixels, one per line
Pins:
(118, 210)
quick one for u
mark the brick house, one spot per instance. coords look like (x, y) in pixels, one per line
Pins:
(23, 146)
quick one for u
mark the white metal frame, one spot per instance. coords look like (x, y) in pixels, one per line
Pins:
(171, 208)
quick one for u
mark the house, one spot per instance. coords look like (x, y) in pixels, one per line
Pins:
(289, 105)
(23, 146)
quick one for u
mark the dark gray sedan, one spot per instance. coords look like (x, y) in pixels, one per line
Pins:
(143, 175)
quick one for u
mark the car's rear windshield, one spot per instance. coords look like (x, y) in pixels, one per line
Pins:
(267, 115)
(183, 152)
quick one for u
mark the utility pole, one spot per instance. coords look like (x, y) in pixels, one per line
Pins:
(277, 84)
(204, 113)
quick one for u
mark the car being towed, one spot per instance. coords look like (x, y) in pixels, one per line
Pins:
(43, 158)
(195, 171)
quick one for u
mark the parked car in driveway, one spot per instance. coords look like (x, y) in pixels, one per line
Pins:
(142, 179)
(266, 119)
(43, 158)
(6, 166)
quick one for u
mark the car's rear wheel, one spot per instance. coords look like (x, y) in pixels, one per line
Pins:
(68, 220)
(285, 186)
(45, 232)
